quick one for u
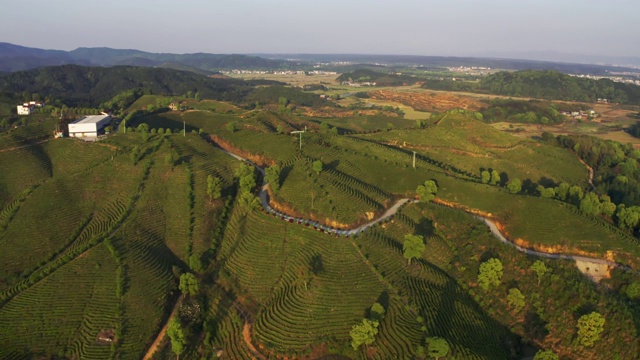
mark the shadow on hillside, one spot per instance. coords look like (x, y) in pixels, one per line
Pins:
(38, 152)
(471, 328)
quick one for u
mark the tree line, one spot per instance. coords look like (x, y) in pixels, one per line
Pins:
(544, 84)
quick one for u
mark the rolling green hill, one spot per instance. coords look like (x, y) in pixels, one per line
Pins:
(99, 240)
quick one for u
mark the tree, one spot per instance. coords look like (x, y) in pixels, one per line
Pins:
(514, 186)
(562, 191)
(197, 97)
(168, 132)
(590, 327)
(171, 158)
(628, 217)
(486, 176)
(283, 102)
(490, 273)
(176, 334)
(189, 284)
(214, 187)
(231, 127)
(377, 312)
(427, 192)
(412, 247)
(546, 193)
(539, 268)
(545, 355)
(575, 194)
(272, 176)
(135, 154)
(590, 204)
(495, 177)
(607, 207)
(633, 291)
(317, 166)
(195, 263)
(363, 333)
(437, 347)
(515, 299)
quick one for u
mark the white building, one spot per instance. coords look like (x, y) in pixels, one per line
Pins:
(89, 126)
(25, 109)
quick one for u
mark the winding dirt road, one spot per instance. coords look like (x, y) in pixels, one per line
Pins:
(264, 197)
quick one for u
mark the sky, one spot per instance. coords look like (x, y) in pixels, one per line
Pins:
(408, 27)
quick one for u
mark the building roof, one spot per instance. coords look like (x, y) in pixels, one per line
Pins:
(90, 119)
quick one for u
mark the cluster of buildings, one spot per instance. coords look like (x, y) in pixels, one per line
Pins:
(358, 84)
(279, 72)
(618, 79)
(580, 115)
(27, 107)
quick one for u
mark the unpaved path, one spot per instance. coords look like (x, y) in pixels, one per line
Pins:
(156, 343)
(264, 197)
(246, 336)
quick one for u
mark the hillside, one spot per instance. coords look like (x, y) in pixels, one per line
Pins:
(18, 58)
(90, 86)
(550, 85)
(311, 237)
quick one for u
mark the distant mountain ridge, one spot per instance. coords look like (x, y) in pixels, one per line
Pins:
(18, 58)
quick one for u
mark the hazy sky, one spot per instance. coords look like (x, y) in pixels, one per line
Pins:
(417, 27)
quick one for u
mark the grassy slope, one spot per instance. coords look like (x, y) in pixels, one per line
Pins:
(83, 197)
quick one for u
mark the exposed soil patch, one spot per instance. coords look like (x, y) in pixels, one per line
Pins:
(424, 101)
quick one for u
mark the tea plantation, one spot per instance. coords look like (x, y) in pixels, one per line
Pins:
(103, 243)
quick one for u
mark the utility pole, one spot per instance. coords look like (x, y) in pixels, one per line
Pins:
(300, 132)
(414, 159)
(184, 128)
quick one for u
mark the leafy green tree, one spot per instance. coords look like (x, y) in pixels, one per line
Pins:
(590, 327)
(189, 284)
(514, 186)
(214, 187)
(168, 132)
(628, 217)
(562, 191)
(495, 177)
(363, 333)
(427, 192)
(197, 96)
(231, 127)
(272, 176)
(547, 193)
(545, 355)
(486, 176)
(195, 263)
(176, 334)
(317, 166)
(515, 299)
(437, 347)
(490, 273)
(144, 128)
(540, 269)
(413, 247)
(590, 204)
(575, 194)
(607, 207)
(633, 291)
(283, 102)
(377, 312)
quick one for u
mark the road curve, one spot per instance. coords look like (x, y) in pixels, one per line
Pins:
(264, 199)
